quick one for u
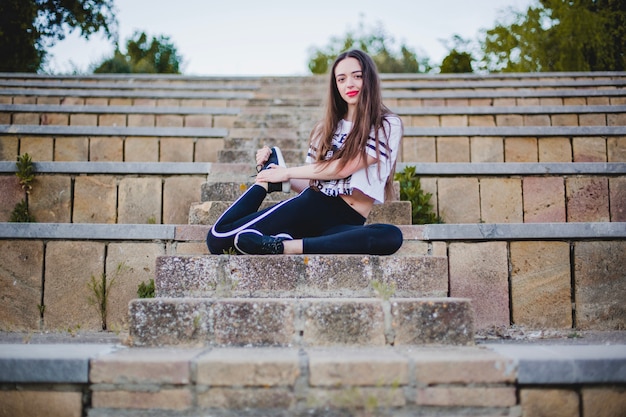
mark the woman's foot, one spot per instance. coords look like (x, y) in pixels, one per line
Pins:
(253, 242)
(276, 158)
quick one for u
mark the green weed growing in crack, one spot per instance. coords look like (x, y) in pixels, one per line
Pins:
(146, 289)
(383, 290)
(100, 289)
(26, 174)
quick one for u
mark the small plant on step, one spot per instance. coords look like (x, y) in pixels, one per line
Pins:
(100, 289)
(26, 174)
(411, 190)
(383, 290)
(146, 289)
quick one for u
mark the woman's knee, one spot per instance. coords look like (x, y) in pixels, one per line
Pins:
(216, 245)
(389, 238)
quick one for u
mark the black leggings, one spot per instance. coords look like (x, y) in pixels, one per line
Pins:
(325, 224)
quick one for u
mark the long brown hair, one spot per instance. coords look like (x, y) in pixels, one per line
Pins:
(370, 115)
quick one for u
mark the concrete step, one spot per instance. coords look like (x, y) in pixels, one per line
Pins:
(301, 276)
(300, 321)
(391, 212)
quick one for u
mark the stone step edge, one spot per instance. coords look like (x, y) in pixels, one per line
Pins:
(402, 111)
(516, 131)
(54, 83)
(204, 132)
(530, 364)
(113, 109)
(115, 93)
(430, 232)
(300, 321)
(491, 94)
(301, 276)
(421, 168)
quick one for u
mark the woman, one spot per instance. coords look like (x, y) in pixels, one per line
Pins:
(350, 167)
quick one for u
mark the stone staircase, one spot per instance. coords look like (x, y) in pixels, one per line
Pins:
(528, 172)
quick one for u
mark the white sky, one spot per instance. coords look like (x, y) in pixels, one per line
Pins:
(274, 37)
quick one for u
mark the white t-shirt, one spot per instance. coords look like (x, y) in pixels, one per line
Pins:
(371, 183)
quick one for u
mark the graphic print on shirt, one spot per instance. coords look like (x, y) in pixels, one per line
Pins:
(334, 188)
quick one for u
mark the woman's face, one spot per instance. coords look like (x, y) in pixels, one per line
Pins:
(349, 79)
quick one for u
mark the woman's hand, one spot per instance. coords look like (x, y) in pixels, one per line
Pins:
(262, 155)
(273, 174)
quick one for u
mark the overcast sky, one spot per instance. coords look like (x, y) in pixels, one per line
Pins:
(274, 37)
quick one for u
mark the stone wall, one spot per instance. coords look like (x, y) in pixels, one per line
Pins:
(546, 282)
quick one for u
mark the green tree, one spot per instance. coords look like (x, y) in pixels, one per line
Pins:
(458, 60)
(560, 35)
(155, 56)
(374, 41)
(29, 27)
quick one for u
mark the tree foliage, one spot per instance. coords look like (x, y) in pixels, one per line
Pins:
(155, 56)
(29, 27)
(377, 43)
(560, 35)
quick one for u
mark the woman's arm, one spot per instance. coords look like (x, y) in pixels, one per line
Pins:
(316, 171)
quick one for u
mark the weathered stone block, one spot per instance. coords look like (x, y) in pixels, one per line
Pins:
(127, 266)
(587, 199)
(616, 149)
(255, 279)
(179, 193)
(617, 187)
(176, 150)
(141, 149)
(454, 120)
(50, 198)
(479, 271)
(343, 321)
(71, 149)
(171, 321)
(453, 149)
(460, 365)
(544, 199)
(112, 120)
(600, 285)
(422, 149)
(458, 200)
(363, 401)
(28, 403)
(249, 367)
(25, 119)
(537, 120)
(540, 284)
(549, 402)
(616, 119)
(265, 322)
(509, 120)
(486, 149)
(604, 401)
(11, 193)
(161, 399)
(21, 273)
(78, 119)
(441, 321)
(589, 149)
(555, 150)
(592, 119)
(190, 276)
(8, 148)
(257, 399)
(501, 200)
(357, 367)
(139, 200)
(143, 366)
(95, 199)
(207, 150)
(169, 120)
(466, 396)
(108, 149)
(482, 120)
(56, 119)
(141, 120)
(414, 276)
(40, 148)
(564, 119)
(70, 266)
(520, 149)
